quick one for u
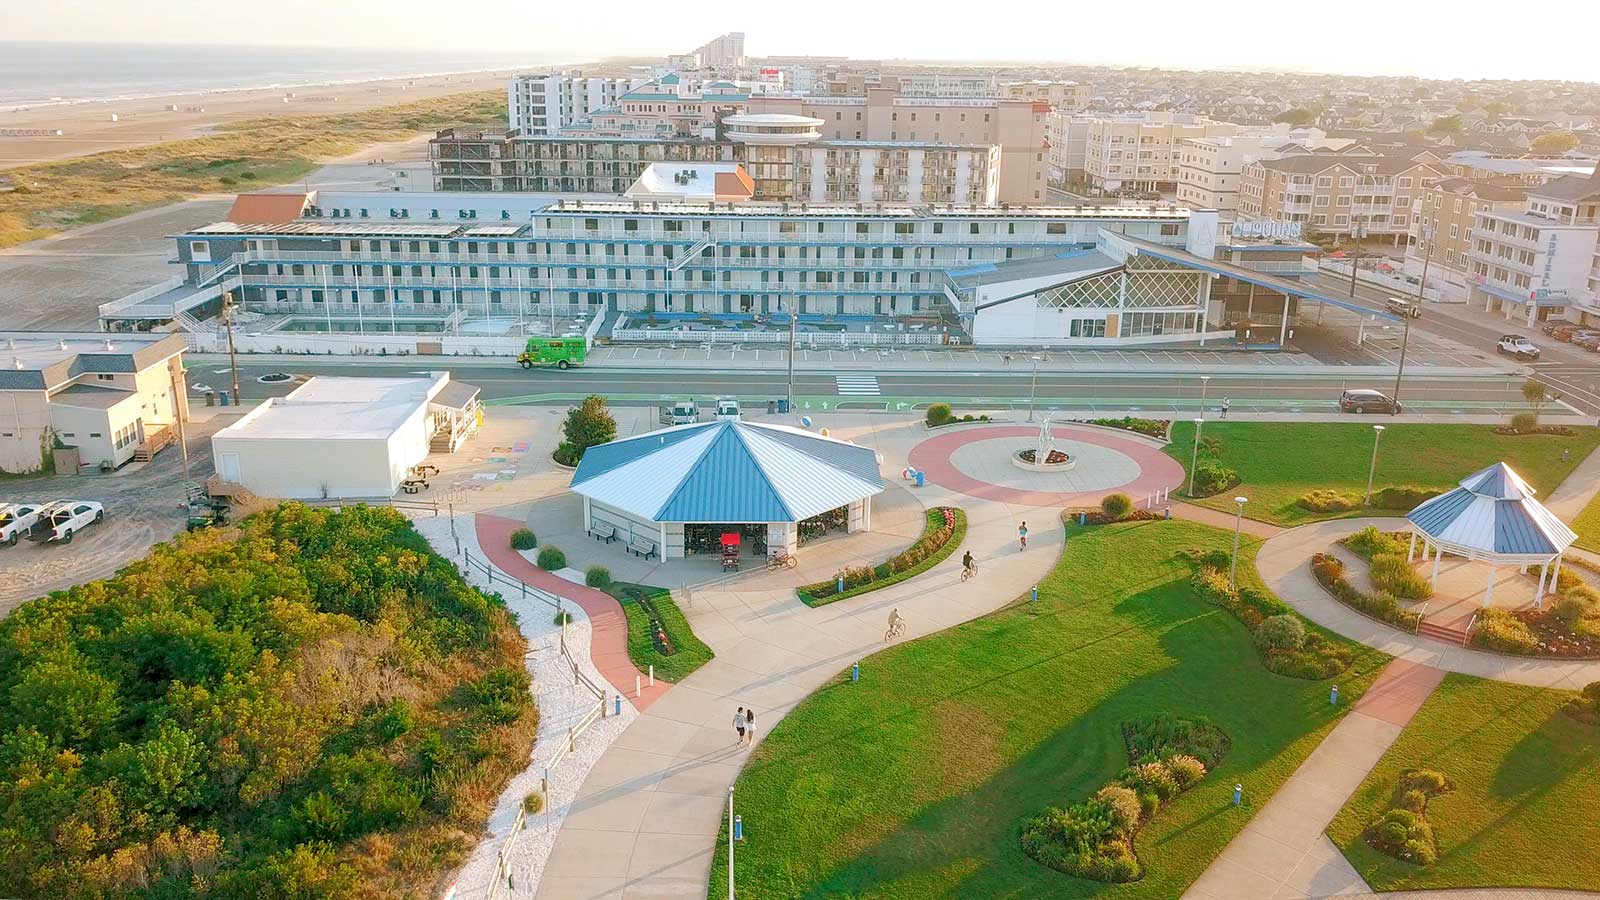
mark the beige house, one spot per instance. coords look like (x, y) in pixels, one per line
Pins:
(1336, 194)
(1063, 96)
(113, 399)
(1142, 152)
(1448, 214)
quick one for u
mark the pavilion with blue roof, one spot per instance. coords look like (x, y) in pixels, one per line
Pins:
(1492, 516)
(668, 488)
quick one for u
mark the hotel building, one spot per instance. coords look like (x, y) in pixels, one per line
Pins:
(546, 104)
(1337, 194)
(1449, 214)
(1541, 262)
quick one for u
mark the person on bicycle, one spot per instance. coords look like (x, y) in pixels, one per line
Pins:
(895, 621)
(1022, 534)
(970, 564)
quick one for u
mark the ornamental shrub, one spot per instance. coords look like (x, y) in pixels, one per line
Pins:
(1525, 422)
(551, 559)
(1116, 506)
(1576, 604)
(597, 576)
(1281, 632)
(1499, 630)
(524, 539)
(1403, 497)
(1392, 574)
(1186, 770)
(1123, 806)
(939, 414)
(1323, 500)
(1151, 778)
(1212, 478)
(1370, 542)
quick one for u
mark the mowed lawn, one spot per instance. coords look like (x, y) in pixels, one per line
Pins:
(1587, 525)
(1278, 462)
(914, 782)
(1523, 813)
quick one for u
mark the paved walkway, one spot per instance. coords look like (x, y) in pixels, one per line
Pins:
(1572, 495)
(1216, 518)
(1283, 852)
(609, 644)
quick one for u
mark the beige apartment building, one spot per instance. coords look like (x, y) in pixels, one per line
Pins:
(1337, 194)
(1448, 214)
(1063, 96)
(1210, 169)
(1016, 127)
(1541, 262)
(1141, 153)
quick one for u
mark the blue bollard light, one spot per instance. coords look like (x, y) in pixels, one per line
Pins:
(839, 588)
(1083, 518)
(1238, 795)
(1333, 696)
(738, 828)
(1169, 512)
(619, 704)
(855, 671)
(1035, 598)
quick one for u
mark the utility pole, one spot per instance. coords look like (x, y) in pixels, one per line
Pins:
(794, 324)
(1358, 229)
(1405, 336)
(233, 358)
(175, 380)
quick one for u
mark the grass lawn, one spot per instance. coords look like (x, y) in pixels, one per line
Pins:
(246, 156)
(1587, 525)
(1527, 784)
(914, 782)
(1278, 462)
(691, 653)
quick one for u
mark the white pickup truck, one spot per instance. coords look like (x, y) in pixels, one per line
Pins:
(17, 519)
(64, 518)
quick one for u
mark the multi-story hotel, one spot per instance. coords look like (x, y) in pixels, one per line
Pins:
(1541, 262)
(945, 84)
(545, 104)
(1448, 215)
(1063, 96)
(723, 52)
(1338, 194)
(1140, 152)
(1210, 168)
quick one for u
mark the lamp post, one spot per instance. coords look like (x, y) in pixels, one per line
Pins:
(1238, 519)
(1033, 389)
(1194, 457)
(730, 842)
(1372, 468)
(1205, 381)
(1405, 335)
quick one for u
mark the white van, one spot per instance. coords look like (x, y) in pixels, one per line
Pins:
(1401, 307)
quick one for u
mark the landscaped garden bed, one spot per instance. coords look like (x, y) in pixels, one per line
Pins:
(943, 529)
(1156, 428)
(1525, 777)
(1287, 646)
(1568, 625)
(940, 415)
(1056, 457)
(1278, 463)
(1403, 831)
(1094, 838)
(911, 783)
(1386, 555)
(658, 633)
(1329, 570)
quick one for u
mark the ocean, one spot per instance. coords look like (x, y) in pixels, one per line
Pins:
(35, 73)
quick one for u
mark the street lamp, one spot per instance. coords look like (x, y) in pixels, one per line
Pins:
(730, 842)
(1377, 432)
(1205, 381)
(1194, 457)
(1238, 518)
(1033, 389)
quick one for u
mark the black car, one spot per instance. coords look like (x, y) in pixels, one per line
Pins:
(1363, 400)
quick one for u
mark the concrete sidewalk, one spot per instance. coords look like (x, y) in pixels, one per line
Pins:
(1572, 495)
(1283, 852)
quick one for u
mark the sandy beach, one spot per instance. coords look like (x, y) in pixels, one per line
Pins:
(87, 127)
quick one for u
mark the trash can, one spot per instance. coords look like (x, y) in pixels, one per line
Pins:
(211, 398)
(920, 477)
(783, 407)
(223, 395)
(772, 407)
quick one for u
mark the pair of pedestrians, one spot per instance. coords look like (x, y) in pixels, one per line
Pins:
(744, 723)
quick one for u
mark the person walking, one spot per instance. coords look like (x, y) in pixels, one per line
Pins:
(1226, 405)
(1022, 534)
(738, 725)
(750, 727)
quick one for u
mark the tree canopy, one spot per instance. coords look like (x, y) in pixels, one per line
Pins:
(1555, 143)
(1297, 116)
(1446, 125)
(312, 705)
(588, 424)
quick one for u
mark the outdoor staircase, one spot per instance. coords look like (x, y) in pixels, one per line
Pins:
(1448, 632)
(155, 440)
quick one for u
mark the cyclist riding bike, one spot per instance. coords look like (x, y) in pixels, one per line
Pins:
(969, 566)
(897, 625)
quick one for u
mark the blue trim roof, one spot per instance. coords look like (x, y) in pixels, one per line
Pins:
(1493, 512)
(1239, 273)
(726, 485)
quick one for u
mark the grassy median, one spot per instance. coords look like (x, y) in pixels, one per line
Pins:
(243, 156)
(914, 782)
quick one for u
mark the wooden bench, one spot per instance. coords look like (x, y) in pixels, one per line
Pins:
(642, 547)
(603, 532)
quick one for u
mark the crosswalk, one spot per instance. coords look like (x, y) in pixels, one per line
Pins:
(857, 385)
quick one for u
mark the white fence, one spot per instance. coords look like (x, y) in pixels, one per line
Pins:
(1399, 285)
(356, 344)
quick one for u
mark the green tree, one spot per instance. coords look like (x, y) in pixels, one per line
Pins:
(1494, 109)
(1296, 117)
(1535, 393)
(1446, 125)
(587, 425)
(64, 701)
(1555, 143)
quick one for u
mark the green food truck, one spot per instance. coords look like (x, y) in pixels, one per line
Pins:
(560, 352)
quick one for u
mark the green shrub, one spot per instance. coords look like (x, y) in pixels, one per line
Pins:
(533, 804)
(1330, 573)
(597, 576)
(1156, 428)
(1392, 574)
(1370, 542)
(563, 618)
(942, 531)
(1122, 804)
(1281, 632)
(1150, 778)
(551, 559)
(1525, 422)
(1186, 770)
(1403, 830)
(1576, 604)
(1116, 507)
(524, 539)
(939, 414)
(1213, 478)
(1403, 497)
(1499, 630)
(1323, 500)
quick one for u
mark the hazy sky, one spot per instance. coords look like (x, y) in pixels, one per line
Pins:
(1465, 38)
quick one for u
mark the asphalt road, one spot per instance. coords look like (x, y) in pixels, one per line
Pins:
(503, 382)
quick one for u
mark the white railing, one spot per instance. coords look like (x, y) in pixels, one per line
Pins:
(138, 297)
(1372, 277)
(803, 339)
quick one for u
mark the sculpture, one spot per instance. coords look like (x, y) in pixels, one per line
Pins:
(1047, 442)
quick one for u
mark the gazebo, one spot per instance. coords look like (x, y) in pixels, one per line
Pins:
(1492, 516)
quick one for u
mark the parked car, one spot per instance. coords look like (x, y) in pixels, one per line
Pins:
(1588, 340)
(1562, 333)
(681, 412)
(1402, 307)
(1518, 346)
(1364, 400)
(64, 518)
(17, 519)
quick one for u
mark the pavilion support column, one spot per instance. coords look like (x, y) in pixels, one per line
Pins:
(1538, 597)
(1411, 548)
(1555, 575)
(1436, 554)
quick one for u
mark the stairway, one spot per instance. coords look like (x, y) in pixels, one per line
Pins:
(1449, 633)
(156, 439)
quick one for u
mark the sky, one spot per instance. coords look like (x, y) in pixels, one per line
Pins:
(1431, 38)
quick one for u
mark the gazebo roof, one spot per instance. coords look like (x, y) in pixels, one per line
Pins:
(1492, 515)
(728, 470)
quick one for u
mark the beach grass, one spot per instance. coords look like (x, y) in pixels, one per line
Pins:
(1279, 462)
(1527, 779)
(242, 156)
(914, 782)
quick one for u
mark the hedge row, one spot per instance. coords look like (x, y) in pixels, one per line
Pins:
(1330, 573)
(942, 533)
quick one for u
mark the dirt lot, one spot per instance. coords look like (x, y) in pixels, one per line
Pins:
(143, 507)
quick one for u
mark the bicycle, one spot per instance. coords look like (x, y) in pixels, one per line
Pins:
(894, 631)
(969, 572)
(781, 560)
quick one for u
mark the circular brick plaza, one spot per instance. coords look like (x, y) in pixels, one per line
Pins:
(977, 462)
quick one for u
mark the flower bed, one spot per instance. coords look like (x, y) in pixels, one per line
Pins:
(942, 533)
(1094, 838)
(658, 633)
(1156, 428)
(1055, 458)
(1568, 626)
(1330, 573)
(1287, 647)
(1403, 831)
(1557, 430)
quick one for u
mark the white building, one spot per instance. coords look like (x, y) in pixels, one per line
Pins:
(345, 437)
(1543, 262)
(1140, 152)
(945, 84)
(723, 52)
(1210, 168)
(545, 104)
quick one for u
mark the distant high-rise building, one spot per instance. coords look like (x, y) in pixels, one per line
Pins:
(545, 104)
(724, 52)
